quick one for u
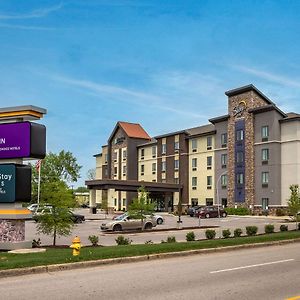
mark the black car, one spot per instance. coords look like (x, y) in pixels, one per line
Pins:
(193, 210)
(76, 218)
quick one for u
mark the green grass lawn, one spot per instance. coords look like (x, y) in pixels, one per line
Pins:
(56, 256)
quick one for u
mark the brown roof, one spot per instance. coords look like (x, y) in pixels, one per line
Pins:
(200, 130)
(134, 130)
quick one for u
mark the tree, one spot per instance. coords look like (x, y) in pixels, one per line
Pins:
(141, 206)
(81, 189)
(294, 202)
(91, 174)
(56, 221)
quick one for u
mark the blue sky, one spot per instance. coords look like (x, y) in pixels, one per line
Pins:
(164, 64)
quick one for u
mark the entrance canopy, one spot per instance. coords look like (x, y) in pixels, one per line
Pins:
(132, 185)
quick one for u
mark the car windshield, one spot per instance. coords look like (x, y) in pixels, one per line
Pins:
(120, 218)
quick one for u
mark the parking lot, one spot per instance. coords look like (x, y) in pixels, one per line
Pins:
(92, 227)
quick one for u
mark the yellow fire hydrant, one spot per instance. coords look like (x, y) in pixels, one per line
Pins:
(76, 246)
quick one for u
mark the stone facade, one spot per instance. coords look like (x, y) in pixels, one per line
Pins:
(251, 100)
(12, 231)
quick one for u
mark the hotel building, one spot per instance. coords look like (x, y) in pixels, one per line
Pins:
(248, 157)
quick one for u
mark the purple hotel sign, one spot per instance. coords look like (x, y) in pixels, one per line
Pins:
(15, 140)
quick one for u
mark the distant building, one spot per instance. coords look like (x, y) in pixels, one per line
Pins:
(248, 157)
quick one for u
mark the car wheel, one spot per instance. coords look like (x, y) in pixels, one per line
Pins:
(117, 227)
(159, 221)
(207, 216)
(224, 214)
(191, 215)
(148, 226)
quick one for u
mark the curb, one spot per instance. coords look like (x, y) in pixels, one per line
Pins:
(101, 262)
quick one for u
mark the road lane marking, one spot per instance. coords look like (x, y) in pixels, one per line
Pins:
(252, 266)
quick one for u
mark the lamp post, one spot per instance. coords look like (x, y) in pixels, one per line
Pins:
(218, 200)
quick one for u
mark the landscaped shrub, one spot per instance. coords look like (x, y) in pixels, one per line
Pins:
(269, 228)
(237, 232)
(36, 243)
(149, 242)
(171, 239)
(284, 227)
(190, 236)
(226, 233)
(280, 212)
(251, 230)
(121, 240)
(241, 211)
(94, 240)
(210, 234)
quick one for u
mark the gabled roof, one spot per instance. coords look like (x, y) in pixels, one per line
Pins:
(132, 130)
(290, 117)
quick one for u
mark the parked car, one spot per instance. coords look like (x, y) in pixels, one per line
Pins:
(76, 218)
(210, 212)
(125, 222)
(35, 206)
(192, 210)
(158, 218)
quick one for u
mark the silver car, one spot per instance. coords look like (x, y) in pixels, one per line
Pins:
(125, 222)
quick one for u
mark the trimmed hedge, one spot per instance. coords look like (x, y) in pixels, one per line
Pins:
(190, 236)
(284, 227)
(237, 232)
(251, 230)
(269, 228)
(226, 233)
(240, 211)
(210, 234)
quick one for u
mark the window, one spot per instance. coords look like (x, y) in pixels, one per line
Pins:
(224, 160)
(209, 143)
(194, 201)
(105, 172)
(153, 151)
(265, 179)
(142, 169)
(124, 154)
(115, 156)
(176, 164)
(224, 181)
(224, 202)
(240, 157)
(115, 202)
(105, 157)
(265, 203)
(153, 168)
(209, 162)
(265, 133)
(163, 166)
(124, 170)
(176, 146)
(209, 182)
(240, 178)
(194, 181)
(209, 201)
(142, 153)
(265, 155)
(163, 148)
(115, 171)
(176, 180)
(124, 202)
(194, 145)
(223, 140)
(194, 164)
(240, 135)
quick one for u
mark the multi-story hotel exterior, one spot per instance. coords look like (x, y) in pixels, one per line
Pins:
(248, 157)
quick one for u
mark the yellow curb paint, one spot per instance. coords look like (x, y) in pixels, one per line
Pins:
(21, 113)
(15, 212)
(294, 298)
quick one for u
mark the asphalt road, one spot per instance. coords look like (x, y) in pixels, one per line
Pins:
(264, 273)
(92, 227)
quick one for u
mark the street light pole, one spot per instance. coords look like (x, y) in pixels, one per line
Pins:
(218, 200)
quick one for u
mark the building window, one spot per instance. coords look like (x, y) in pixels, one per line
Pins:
(209, 201)
(265, 203)
(105, 158)
(240, 178)
(124, 202)
(240, 157)
(265, 179)
(194, 183)
(115, 171)
(153, 151)
(124, 154)
(265, 156)
(142, 169)
(176, 180)
(194, 145)
(209, 162)
(142, 153)
(115, 202)
(240, 135)
(163, 148)
(224, 181)
(194, 201)
(176, 164)
(224, 161)
(153, 168)
(105, 172)
(224, 140)
(224, 202)
(194, 164)
(163, 166)
(265, 133)
(209, 182)
(209, 143)
(115, 156)
(176, 146)
(124, 170)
